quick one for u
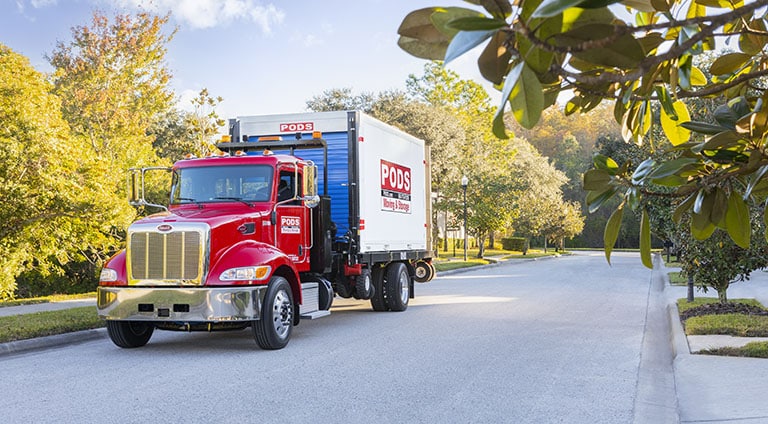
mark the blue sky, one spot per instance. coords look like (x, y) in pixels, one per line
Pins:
(262, 57)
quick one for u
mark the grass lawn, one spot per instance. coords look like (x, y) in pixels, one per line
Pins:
(730, 324)
(675, 279)
(27, 326)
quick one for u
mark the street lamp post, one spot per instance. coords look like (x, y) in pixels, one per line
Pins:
(464, 183)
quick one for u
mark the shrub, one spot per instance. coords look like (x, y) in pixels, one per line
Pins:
(517, 244)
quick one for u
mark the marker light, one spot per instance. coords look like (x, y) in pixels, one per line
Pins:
(317, 134)
(248, 273)
(226, 138)
(270, 138)
(108, 275)
(267, 152)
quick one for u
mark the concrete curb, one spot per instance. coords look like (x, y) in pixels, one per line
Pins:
(680, 345)
(40, 343)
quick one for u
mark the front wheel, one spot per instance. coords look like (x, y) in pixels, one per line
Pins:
(273, 330)
(129, 334)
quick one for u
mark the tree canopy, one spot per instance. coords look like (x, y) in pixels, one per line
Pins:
(536, 50)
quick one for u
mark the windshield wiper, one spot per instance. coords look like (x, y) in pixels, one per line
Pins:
(236, 199)
(190, 200)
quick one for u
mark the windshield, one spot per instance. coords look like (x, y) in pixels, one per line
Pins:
(222, 184)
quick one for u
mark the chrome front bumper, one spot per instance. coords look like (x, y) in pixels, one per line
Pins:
(200, 304)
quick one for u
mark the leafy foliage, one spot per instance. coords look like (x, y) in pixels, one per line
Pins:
(51, 185)
(582, 46)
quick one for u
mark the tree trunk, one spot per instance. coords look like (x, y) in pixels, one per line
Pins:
(491, 240)
(722, 296)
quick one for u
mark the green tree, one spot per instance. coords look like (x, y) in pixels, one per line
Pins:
(537, 49)
(114, 84)
(52, 205)
(341, 99)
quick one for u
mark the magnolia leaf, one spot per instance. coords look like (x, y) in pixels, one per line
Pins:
(442, 16)
(611, 233)
(422, 49)
(624, 52)
(645, 240)
(719, 207)
(499, 128)
(666, 101)
(420, 38)
(650, 42)
(676, 133)
(549, 8)
(473, 23)
(641, 5)
(596, 180)
(642, 170)
(756, 178)
(576, 17)
(703, 127)
(526, 98)
(660, 5)
(724, 139)
(715, 3)
(701, 228)
(465, 41)
(605, 163)
(737, 220)
(671, 167)
(500, 9)
(765, 222)
(494, 60)
(596, 199)
(683, 207)
(729, 63)
(698, 79)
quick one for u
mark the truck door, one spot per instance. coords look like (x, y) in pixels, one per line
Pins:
(293, 220)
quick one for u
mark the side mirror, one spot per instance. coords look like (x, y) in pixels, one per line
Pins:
(309, 185)
(134, 187)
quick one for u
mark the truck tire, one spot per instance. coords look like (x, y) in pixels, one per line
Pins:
(397, 285)
(378, 300)
(130, 334)
(364, 285)
(273, 330)
(423, 271)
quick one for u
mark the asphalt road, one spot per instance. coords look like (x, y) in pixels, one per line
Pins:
(549, 341)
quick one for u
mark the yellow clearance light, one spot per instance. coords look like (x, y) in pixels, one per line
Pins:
(317, 134)
(270, 138)
(190, 156)
(240, 153)
(226, 138)
(267, 152)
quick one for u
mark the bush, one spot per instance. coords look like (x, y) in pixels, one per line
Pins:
(76, 277)
(517, 244)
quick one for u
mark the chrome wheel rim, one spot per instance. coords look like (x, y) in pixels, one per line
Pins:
(282, 314)
(404, 287)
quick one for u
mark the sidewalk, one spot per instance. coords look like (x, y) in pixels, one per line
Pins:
(718, 389)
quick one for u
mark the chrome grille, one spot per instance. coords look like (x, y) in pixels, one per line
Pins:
(172, 257)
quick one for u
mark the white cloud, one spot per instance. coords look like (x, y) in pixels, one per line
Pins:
(42, 3)
(211, 13)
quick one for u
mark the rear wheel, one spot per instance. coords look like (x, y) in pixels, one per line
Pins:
(364, 285)
(273, 330)
(129, 334)
(378, 301)
(398, 286)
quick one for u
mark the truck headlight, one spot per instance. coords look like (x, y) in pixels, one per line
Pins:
(247, 273)
(108, 275)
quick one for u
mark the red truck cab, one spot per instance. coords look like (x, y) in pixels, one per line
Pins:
(236, 235)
